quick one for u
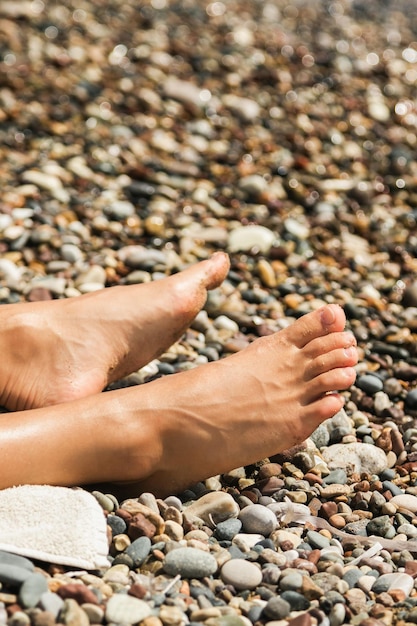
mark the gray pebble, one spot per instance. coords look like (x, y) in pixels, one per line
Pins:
(189, 563)
(32, 589)
(277, 609)
(370, 384)
(139, 550)
(51, 602)
(256, 518)
(316, 540)
(228, 529)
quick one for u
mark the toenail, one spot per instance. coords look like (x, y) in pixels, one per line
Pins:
(328, 316)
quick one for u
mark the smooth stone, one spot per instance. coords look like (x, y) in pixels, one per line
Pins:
(296, 600)
(32, 589)
(397, 580)
(139, 550)
(256, 518)
(337, 476)
(405, 501)
(245, 238)
(8, 558)
(228, 529)
(277, 609)
(73, 615)
(316, 540)
(117, 524)
(241, 574)
(246, 541)
(13, 574)
(369, 383)
(212, 508)
(355, 457)
(51, 602)
(189, 563)
(292, 581)
(124, 609)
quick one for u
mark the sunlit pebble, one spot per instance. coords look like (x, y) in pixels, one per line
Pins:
(410, 55)
(372, 58)
(400, 183)
(216, 9)
(9, 59)
(401, 108)
(79, 15)
(158, 4)
(307, 60)
(51, 32)
(37, 6)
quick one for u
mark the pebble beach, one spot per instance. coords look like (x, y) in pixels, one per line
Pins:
(138, 138)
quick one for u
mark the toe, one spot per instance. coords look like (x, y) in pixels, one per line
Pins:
(334, 380)
(320, 323)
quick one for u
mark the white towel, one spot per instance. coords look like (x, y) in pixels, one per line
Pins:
(54, 524)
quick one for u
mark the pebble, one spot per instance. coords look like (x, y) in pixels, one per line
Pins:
(110, 181)
(125, 609)
(241, 574)
(256, 518)
(355, 457)
(189, 563)
(32, 590)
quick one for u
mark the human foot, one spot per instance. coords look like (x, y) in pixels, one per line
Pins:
(58, 351)
(251, 405)
(169, 433)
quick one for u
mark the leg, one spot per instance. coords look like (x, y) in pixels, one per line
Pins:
(169, 433)
(66, 349)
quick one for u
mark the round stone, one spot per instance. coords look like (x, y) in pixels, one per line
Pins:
(189, 563)
(256, 518)
(277, 609)
(370, 384)
(139, 550)
(124, 609)
(241, 574)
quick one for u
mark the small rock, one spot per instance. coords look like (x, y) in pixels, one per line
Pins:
(124, 609)
(189, 563)
(241, 574)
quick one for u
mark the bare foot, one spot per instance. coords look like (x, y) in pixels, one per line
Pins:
(169, 433)
(66, 349)
(256, 403)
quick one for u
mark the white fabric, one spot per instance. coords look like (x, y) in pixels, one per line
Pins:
(54, 524)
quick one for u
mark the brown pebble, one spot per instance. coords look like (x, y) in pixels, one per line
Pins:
(137, 590)
(310, 589)
(372, 621)
(328, 509)
(78, 592)
(410, 568)
(313, 479)
(397, 595)
(384, 440)
(268, 470)
(314, 556)
(140, 526)
(270, 485)
(397, 441)
(338, 521)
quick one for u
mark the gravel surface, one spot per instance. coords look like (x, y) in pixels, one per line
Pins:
(139, 137)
